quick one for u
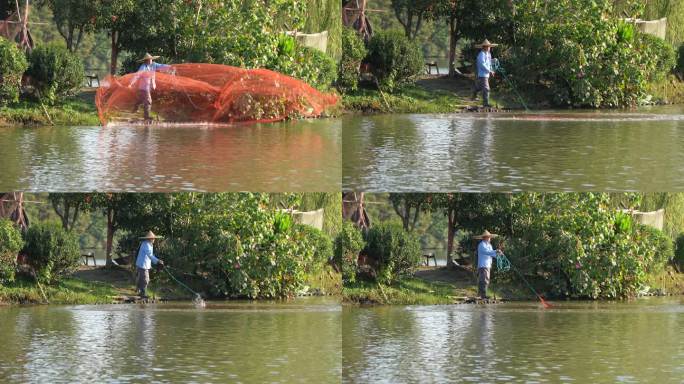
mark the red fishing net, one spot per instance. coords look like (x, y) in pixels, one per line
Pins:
(212, 93)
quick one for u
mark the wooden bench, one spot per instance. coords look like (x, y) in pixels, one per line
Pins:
(91, 79)
(428, 256)
(89, 255)
(429, 65)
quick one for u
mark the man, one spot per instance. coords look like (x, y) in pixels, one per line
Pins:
(145, 79)
(484, 70)
(144, 262)
(485, 253)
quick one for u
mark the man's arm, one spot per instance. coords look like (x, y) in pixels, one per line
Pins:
(135, 77)
(162, 67)
(486, 251)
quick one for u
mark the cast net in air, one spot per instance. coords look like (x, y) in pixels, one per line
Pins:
(212, 93)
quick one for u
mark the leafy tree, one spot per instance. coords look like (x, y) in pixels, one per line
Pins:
(52, 251)
(409, 206)
(411, 14)
(68, 206)
(10, 245)
(73, 18)
(12, 66)
(348, 244)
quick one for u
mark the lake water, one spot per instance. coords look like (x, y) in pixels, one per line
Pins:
(293, 156)
(529, 151)
(575, 342)
(297, 342)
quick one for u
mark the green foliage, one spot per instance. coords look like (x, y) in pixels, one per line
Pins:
(10, 245)
(235, 245)
(664, 247)
(578, 245)
(310, 65)
(680, 59)
(319, 241)
(52, 251)
(55, 72)
(348, 243)
(679, 251)
(12, 66)
(395, 251)
(395, 60)
(353, 52)
(583, 57)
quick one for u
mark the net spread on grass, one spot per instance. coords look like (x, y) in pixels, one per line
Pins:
(212, 93)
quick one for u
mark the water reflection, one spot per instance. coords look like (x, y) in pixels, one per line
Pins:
(128, 343)
(575, 342)
(289, 156)
(511, 152)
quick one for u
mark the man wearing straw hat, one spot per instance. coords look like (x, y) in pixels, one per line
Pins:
(145, 80)
(144, 262)
(485, 253)
(484, 70)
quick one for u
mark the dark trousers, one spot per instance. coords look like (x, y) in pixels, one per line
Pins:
(143, 280)
(482, 282)
(482, 85)
(144, 98)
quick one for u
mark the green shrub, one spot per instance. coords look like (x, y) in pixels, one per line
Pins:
(679, 251)
(348, 243)
(52, 251)
(12, 66)
(594, 61)
(310, 65)
(10, 245)
(353, 52)
(680, 59)
(239, 247)
(661, 244)
(55, 72)
(395, 60)
(658, 55)
(577, 245)
(396, 251)
(319, 241)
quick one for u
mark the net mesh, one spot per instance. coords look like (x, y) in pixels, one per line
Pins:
(213, 93)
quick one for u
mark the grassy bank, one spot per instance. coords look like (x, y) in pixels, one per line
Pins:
(433, 94)
(77, 110)
(429, 95)
(428, 286)
(439, 285)
(68, 291)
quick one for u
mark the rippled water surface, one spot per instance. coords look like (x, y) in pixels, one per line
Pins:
(540, 151)
(289, 156)
(269, 343)
(517, 342)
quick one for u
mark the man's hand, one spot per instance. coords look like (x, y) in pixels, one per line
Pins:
(493, 74)
(161, 262)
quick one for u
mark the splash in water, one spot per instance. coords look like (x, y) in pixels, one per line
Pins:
(198, 301)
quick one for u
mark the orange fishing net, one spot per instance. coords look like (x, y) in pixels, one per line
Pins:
(213, 93)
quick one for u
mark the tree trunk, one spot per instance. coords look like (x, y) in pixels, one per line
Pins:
(452, 45)
(110, 235)
(115, 53)
(450, 237)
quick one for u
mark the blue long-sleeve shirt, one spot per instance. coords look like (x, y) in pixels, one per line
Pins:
(146, 256)
(484, 64)
(145, 77)
(485, 253)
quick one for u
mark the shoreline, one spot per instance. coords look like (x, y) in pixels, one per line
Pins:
(444, 286)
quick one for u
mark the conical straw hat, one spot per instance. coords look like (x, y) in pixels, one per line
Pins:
(486, 43)
(485, 234)
(150, 235)
(149, 57)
